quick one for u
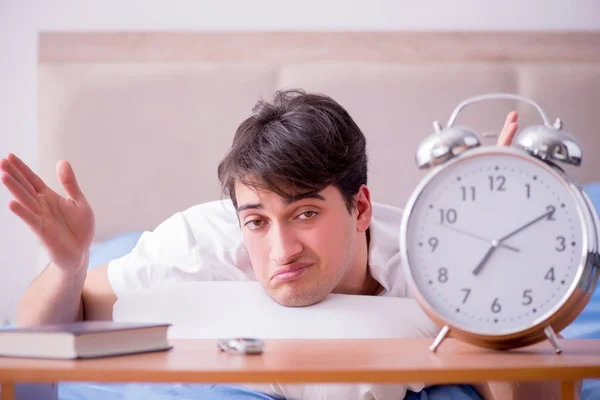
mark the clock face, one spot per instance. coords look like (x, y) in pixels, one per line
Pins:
(494, 242)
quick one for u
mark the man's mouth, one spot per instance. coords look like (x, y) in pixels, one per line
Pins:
(289, 272)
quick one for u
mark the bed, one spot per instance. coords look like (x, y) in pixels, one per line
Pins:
(145, 117)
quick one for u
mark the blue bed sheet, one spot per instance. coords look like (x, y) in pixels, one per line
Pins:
(94, 391)
(134, 391)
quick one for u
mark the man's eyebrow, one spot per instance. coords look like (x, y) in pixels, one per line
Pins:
(288, 201)
(252, 206)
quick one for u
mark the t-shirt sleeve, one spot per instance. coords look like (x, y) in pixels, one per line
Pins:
(182, 248)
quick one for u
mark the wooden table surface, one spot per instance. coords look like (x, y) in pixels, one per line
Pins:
(303, 361)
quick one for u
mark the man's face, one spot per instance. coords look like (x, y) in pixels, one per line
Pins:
(301, 250)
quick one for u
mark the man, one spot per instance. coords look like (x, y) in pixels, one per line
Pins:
(296, 174)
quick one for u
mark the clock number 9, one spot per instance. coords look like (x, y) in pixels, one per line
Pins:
(433, 242)
(448, 215)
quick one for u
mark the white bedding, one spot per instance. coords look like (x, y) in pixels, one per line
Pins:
(228, 309)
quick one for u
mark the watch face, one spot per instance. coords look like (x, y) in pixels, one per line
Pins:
(494, 242)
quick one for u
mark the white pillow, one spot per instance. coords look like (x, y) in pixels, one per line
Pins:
(230, 308)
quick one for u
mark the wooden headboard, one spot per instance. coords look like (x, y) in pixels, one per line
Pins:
(145, 117)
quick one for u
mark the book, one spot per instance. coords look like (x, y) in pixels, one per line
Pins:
(87, 339)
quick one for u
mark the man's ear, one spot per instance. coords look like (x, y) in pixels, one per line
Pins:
(364, 209)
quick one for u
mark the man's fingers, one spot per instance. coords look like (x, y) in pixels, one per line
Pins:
(508, 134)
(509, 129)
(9, 168)
(66, 176)
(37, 183)
(21, 195)
(34, 222)
(511, 117)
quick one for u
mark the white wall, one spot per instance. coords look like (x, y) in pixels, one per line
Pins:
(21, 20)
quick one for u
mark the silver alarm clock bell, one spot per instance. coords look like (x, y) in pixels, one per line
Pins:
(547, 142)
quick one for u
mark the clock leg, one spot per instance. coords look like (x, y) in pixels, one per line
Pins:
(552, 338)
(440, 337)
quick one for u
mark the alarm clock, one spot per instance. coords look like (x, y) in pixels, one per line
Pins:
(499, 245)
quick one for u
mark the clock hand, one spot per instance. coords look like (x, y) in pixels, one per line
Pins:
(506, 246)
(527, 225)
(496, 243)
(486, 257)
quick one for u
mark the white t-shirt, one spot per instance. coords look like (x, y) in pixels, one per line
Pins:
(204, 243)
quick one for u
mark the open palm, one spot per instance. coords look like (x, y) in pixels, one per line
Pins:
(64, 225)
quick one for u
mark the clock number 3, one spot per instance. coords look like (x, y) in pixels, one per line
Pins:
(560, 245)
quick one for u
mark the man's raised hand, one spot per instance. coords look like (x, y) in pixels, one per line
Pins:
(64, 225)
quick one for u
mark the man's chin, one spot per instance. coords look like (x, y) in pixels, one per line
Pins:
(294, 298)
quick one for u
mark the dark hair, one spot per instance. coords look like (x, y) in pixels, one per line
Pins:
(299, 144)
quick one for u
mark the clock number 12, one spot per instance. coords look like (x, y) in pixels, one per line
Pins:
(497, 183)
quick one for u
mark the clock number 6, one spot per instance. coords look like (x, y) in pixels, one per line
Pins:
(496, 307)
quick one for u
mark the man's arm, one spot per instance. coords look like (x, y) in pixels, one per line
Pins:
(53, 297)
(98, 296)
(65, 226)
(57, 296)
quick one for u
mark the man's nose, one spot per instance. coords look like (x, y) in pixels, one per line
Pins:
(285, 245)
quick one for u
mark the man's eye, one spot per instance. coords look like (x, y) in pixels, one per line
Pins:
(307, 215)
(255, 223)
